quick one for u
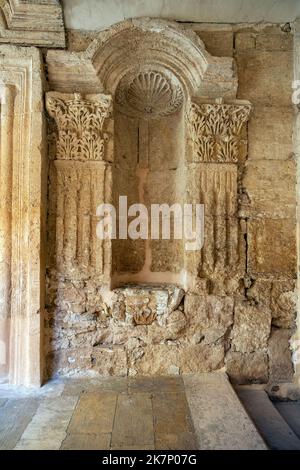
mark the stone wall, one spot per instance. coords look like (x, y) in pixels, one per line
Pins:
(239, 309)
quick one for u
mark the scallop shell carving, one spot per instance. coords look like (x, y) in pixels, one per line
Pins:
(150, 94)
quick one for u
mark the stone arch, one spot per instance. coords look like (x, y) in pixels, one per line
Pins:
(163, 44)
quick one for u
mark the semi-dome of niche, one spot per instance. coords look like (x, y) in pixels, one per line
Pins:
(149, 94)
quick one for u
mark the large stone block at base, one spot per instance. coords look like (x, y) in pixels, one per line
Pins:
(251, 328)
(103, 361)
(280, 356)
(209, 317)
(247, 368)
(278, 296)
(172, 359)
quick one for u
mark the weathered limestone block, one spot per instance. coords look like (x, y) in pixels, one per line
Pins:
(244, 40)
(270, 132)
(247, 368)
(272, 247)
(165, 140)
(270, 186)
(255, 69)
(89, 361)
(109, 361)
(282, 41)
(284, 304)
(78, 41)
(164, 186)
(128, 256)
(176, 323)
(251, 328)
(157, 359)
(278, 296)
(218, 43)
(123, 333)
(267, 38)
(209, 317)
(280, 356)
(166, 255)
(201, 358)
(167, 358)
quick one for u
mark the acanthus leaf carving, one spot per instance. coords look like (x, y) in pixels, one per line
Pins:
(215, 131)
(80, 123)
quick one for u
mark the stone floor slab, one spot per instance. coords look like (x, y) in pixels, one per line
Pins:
(38, 444)
(182, 441)
(80, 441)
(220, 421)
(133, 425)
(15, 415)
(171, 413)
(168, 384)
(94, 414)
(105, 384)
(51, 421)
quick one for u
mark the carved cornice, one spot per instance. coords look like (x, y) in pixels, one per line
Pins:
(80, 122)
(32, 22)
(215, 131)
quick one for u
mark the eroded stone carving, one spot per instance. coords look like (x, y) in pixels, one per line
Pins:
(149, 94)
(215, 131)
(80, 123)
(79, 188)
(142, 305)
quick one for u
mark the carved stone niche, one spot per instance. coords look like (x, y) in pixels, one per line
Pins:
(179, 137)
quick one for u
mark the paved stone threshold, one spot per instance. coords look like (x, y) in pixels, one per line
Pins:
(188, 412)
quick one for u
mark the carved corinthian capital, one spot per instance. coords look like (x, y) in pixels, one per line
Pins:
(215, 131)
(81, 125)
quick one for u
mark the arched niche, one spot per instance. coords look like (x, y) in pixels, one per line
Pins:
(162, 114)
(154, 69)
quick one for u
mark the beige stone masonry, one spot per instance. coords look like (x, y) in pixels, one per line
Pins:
(22, 212)
(32, 22)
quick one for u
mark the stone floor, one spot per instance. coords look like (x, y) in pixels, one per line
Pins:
(191, 412)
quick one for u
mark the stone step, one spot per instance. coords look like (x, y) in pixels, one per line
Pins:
(220, 421)
(268, 420)
(290, 411)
